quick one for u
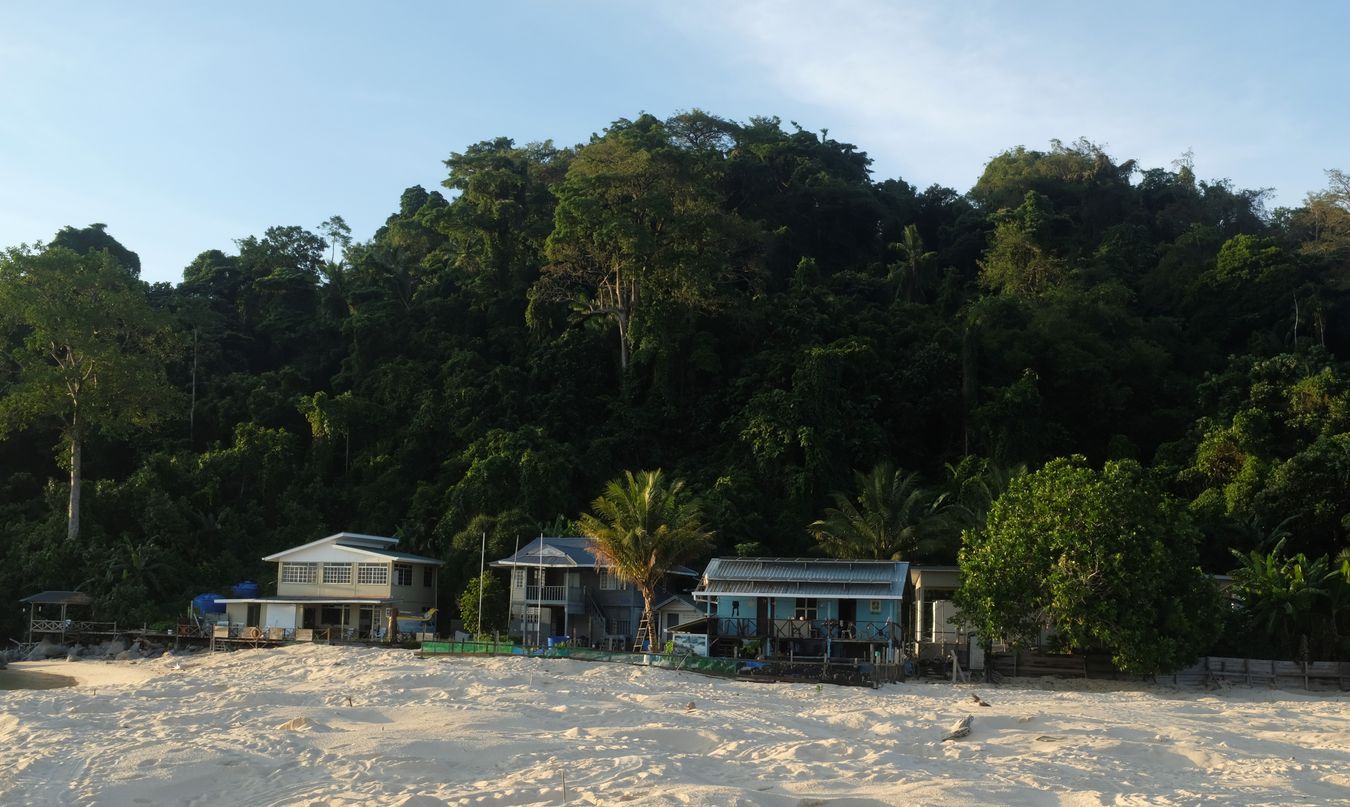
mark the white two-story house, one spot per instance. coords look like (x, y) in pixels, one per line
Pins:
(346, 584)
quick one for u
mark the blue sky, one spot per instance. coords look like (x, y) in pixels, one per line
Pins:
(184, 126)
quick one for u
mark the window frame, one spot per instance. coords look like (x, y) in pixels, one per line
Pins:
(308, 578)
(874, 606)
(341, 574)
(381, 576)
(428, 576)
(806, 608)
(403, 574)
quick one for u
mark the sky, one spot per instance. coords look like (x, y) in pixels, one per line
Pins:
(184, 126)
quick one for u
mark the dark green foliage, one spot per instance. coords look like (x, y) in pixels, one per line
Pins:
(1103, 559)
(496, 606)
(743, 304)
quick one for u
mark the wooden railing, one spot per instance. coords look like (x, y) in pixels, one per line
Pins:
(72, 626)
(835, 629)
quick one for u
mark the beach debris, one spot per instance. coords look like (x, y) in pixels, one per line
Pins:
(689, 707)
(349, 699)
(978, 700)
(1047, 738)
(960, 728)
(296, 724)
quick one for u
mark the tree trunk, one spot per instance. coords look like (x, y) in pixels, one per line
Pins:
(623, 341)
(76, 470)
(649, 617)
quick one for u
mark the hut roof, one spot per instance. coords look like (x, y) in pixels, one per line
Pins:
(59, 598)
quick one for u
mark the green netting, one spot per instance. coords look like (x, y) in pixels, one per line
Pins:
(712, 666)
(448, 648)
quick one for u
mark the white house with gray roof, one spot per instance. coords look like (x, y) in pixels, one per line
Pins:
(348, 582)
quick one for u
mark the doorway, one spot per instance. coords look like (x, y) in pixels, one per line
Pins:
(848, 618)
(762, 617)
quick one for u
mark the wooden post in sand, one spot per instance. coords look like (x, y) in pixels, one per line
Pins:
(392, 633)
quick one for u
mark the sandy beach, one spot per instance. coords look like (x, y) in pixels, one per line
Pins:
(317, 725)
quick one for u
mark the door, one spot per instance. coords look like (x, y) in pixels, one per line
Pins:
(254, 618)
(762, 617)
(848, 617)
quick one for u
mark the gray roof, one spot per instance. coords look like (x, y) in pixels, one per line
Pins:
(556, 551)
(59, 598)
(804, 577)
(678, 599)
(564, 552)
(389, 553)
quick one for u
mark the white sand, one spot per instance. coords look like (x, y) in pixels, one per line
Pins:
(207, 730)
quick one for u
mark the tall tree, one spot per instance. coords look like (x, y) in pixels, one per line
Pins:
(1102, 558)
(639, 224)
(643, 526)
(89, 351)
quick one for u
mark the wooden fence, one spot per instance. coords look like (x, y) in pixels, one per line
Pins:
(1319, 676)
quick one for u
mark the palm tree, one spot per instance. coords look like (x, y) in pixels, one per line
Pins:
(973, 485)
(642, 527)
(908, 276)
(892, 517)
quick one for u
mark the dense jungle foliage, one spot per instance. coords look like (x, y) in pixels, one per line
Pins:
(743, 305)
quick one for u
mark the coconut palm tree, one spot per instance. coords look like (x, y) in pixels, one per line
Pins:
(643, 526)
(892, 517)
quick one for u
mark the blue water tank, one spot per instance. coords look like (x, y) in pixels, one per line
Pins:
(206, 603)
(247, 588)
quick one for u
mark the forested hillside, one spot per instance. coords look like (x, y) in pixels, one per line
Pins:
(744, 305)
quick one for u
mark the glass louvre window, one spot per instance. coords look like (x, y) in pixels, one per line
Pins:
(298, 572)
(372, 574)
(428, 576)
(338, 573)
(517, 578)
(402, 574)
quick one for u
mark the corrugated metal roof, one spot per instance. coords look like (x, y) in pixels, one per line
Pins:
(805, 577)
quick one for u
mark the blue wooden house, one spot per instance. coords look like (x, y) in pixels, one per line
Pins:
(803, 607)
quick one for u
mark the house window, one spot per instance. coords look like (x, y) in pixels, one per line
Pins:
(298, 572)
(874, 606)
(372, 574)
(609, 580)
(806, 608)
(428, 576)
(517, 578)
(337, 573)
(402, 574)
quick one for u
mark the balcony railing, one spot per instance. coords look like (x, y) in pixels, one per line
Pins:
(836, 629)
(552, 594)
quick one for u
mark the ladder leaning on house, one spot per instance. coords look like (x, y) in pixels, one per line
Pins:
(646, 635)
